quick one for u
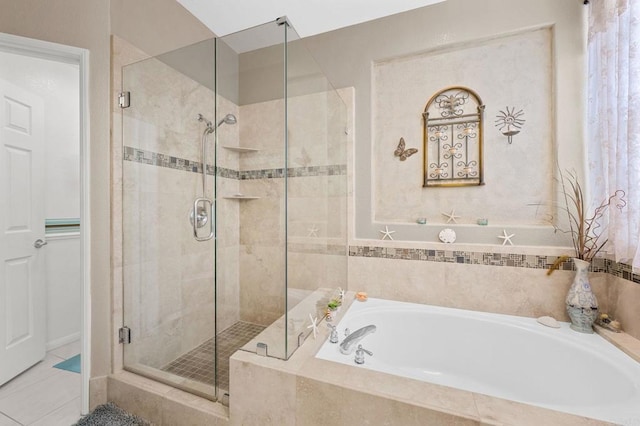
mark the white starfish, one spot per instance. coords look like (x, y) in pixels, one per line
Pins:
(386, 233)
(313, 231)
(314, 325)
(506, 237)
(341, 292)
(451, 216)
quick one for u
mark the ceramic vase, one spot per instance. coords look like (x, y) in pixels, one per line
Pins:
(582, 305)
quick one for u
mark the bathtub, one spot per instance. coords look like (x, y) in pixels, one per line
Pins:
(509, 357)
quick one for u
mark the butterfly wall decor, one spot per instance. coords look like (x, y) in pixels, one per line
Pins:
(402, 152)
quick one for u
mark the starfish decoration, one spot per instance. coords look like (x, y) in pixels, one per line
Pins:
(506, 238)
(451, 216)
(341, 292)
(313, 231)
(314, 325)
(386, 233)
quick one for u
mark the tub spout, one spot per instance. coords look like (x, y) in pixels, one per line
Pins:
(350, 342)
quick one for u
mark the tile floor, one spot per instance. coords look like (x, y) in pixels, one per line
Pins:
(43, 395)
(197, 364)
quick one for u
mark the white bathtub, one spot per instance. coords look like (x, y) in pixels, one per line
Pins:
(505, 356)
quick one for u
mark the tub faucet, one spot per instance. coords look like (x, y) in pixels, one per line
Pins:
(350, 342)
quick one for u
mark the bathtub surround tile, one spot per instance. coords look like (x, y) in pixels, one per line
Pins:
(623, 341)
(265, 396)
(515, 291)
(523, 288)
(496, 411)
(324, 403)
(402, 280)
(624, 302)
(418, 394)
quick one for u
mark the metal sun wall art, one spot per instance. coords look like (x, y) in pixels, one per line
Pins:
(510, 122)
(452, 137)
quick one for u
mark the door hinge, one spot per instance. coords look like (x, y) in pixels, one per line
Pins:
(124, 99)
(124, 335)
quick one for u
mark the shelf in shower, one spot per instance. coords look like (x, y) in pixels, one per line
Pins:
(240, 149)
(240, 197)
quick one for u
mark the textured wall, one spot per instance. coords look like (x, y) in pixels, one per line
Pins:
(513, 71)
(346, 57)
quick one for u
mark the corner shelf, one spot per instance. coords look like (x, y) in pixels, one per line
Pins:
(240, 149)
(240, 197)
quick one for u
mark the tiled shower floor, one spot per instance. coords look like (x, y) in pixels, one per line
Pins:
(198, 364)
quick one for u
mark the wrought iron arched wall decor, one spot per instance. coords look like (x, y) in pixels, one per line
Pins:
(452, 132)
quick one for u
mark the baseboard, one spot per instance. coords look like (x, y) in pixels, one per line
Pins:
(55, 344)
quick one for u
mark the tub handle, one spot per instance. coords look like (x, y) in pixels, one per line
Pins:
(359, 359)
(333, 338)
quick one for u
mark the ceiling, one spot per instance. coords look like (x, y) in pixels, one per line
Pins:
(308, 17)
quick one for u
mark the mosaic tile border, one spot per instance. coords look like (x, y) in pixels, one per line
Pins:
(617, 269)
(622, 270)
(167, 161)
(162, 160)
(331, 170)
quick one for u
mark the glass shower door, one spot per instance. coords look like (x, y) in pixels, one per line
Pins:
(168, 257)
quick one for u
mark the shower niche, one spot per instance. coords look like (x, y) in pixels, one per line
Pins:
(240, 138)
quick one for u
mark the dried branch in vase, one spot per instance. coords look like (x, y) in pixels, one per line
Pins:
(586, 231)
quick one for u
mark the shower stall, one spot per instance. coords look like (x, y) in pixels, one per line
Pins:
(234, 204)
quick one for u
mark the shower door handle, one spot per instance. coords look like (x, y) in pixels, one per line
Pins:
(203, 202)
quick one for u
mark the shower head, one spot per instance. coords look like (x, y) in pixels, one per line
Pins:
(228, 119)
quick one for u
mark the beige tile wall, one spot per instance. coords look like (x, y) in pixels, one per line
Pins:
(624, 302)
(316, 137)
(498, 289)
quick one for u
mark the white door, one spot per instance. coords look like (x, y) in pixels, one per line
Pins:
(22, 286)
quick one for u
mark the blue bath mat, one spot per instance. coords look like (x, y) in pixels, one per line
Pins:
(71, 364)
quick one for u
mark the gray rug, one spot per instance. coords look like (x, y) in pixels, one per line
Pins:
(110, 414)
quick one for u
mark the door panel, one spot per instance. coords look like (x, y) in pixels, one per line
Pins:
(22, 285)
(19, 180)
(19, 324)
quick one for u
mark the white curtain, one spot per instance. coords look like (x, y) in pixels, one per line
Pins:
(614, 118)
